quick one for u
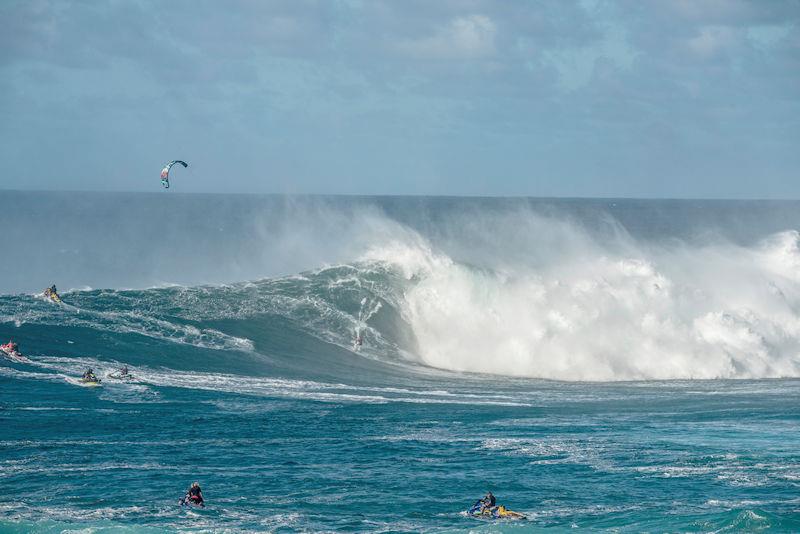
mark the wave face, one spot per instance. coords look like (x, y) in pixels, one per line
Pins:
(238, 317)
(565, 290)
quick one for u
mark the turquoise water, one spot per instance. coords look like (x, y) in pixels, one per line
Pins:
(590, 370)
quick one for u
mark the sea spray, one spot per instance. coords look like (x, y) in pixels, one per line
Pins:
(725, 311)
(575, 291)
(253, 387)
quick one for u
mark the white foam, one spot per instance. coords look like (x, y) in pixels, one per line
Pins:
(582, 310)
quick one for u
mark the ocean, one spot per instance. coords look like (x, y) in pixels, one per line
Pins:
(609, 365)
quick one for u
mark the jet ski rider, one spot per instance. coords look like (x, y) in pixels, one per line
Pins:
(488, 502)
(89, 376)
(195, 495)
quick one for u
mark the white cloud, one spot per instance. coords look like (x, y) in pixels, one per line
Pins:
(711, 41)
(467, 37)
(692, 89)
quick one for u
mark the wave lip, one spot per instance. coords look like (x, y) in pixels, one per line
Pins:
(670, 312)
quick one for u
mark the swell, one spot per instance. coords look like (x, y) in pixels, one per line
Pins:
(508, 290)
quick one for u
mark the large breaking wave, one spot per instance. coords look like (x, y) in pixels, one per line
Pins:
(514, 288)
(596, 314)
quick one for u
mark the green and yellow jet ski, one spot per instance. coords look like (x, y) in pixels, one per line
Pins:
(495, 512)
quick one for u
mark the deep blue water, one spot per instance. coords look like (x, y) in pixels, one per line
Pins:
(609, 365)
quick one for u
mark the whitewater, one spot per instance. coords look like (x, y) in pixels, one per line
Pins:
(622, 365)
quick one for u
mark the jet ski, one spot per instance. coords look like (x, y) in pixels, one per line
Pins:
(88, 382)
(497, 512)
(89, 379)
(122, 377)
(189, 503)
(52, 294)
(10, 351)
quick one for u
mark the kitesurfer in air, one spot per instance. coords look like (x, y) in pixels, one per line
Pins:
(165, 171)
(194, 495)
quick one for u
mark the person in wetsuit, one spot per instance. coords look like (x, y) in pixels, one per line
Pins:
(195, 495)
(488, 502)
(89, 376)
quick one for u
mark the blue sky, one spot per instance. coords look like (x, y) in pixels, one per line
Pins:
(628, 98)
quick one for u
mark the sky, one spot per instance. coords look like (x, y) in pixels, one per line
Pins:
(596, 98)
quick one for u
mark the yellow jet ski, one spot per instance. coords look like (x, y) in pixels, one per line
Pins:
(496, 512)
(52, 294)
(89, 379)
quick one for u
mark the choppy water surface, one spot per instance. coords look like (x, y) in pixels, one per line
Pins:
(610, 366)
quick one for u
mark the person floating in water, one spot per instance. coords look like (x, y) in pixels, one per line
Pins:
(124, 370)
(194, 496)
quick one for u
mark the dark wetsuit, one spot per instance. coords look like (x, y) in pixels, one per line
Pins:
(484, 506)
(195, 495)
